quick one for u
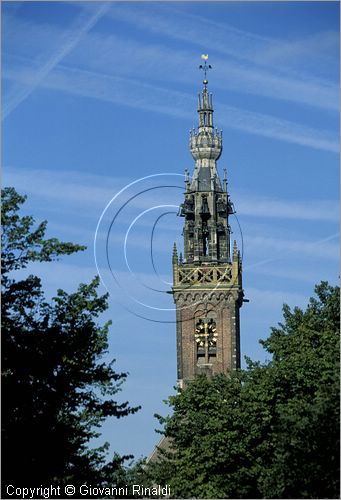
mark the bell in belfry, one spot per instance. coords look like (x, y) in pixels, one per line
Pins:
(204, 211)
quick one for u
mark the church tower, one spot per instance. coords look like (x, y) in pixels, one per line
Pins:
(207, 279)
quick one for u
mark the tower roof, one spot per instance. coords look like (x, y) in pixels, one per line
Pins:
(205, 141)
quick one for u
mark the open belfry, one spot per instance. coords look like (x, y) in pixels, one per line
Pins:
(207, 279)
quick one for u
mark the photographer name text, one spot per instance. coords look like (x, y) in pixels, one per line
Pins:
(69, 490)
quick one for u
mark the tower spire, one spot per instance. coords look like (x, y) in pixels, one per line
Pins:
(207, 281)
(205, 107)
(205, 142)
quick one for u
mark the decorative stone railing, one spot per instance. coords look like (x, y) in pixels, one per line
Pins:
(199, 275)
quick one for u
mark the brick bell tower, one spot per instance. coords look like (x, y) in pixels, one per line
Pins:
(207, 280)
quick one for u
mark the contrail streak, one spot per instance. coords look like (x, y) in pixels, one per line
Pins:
(72, 40)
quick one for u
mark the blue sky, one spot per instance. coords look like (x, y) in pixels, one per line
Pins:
(98, 100)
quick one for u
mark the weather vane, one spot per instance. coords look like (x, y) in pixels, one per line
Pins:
(205, 67)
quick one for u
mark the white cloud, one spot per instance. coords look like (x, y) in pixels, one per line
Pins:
(72, 188)
(278, 128)
(324, 210)
(321, 46)
(132, 93)
(251, 53)
(274, 299)
(276, 248)
(79, 188)
(72, 37)
(291, 272)
(134, 57)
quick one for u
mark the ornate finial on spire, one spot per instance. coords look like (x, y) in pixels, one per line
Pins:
(175, 254)
(187, 183)
(235, 251)
(205, 67)
(225, 180)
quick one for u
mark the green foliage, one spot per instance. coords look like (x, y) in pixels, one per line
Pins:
(56, 388)
(305, 373)
(270, 431)
(126, 476)
(21, 242)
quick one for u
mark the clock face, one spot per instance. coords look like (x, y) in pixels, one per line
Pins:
(206, 333)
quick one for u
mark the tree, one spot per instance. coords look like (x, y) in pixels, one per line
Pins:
(270, 431)
(305, 373)
(56, 388)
